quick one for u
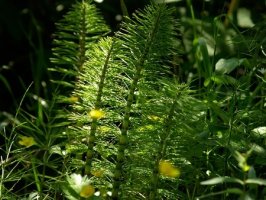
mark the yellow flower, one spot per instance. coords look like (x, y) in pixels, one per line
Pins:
(87, 191)
(96, 114)
(27, 141)
(245, 167)
(168, 170)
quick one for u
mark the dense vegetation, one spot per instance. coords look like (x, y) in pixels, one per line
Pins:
(169, 104)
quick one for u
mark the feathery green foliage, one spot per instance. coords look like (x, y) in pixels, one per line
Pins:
(76, 32)
(130, 79)
(130, 128)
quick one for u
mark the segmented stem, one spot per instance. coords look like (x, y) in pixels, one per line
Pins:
(162, 148)
(123, 141)
(94, 124)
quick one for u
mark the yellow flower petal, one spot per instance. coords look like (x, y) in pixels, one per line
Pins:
(96, 114)
(168, 170)
(26, 141)
(87, 191)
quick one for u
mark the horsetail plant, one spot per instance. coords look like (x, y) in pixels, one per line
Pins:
(76, 32)
(143, 56)
(128, 105)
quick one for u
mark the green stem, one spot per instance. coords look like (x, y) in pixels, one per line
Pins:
(190, 6)
(124, 8)
(125, 125)
(36, 177)
(82, 40)
(161, 151)
(94, 124)
(123, 137)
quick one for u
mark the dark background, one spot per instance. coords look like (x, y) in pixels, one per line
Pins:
(26, 28)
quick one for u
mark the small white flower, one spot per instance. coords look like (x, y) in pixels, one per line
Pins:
(76, 181)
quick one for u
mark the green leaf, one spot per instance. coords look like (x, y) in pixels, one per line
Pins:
(203, 55)
(252, 173)
(220, 79)
(258, 181)
(217, 79)
(244, 18)
(219, 180)
(56, 150)
(217, 109)
(234, 191)
(230, 190)
(225, 66)
(207, 81)
(260, 131)
(69, 192)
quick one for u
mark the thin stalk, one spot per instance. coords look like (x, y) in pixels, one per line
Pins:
(232, 7)
(161, 151)
(123, 137)
(91, 139)
(190, 6)
(228, 153)
(36, 177)
(124, 8)
(125, 124)
(82, 40)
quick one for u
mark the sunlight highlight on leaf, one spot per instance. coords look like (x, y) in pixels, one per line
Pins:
(98, 173)
(155, 118)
